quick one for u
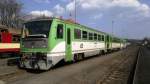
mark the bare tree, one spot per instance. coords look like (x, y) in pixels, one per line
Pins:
(10, 13)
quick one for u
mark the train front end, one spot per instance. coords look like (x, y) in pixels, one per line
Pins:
(34, 45)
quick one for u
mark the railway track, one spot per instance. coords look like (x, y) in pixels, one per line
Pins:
(114, 72)
(120, 71)
(7, 67)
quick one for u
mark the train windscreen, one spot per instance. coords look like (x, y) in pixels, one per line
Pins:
(39, 27)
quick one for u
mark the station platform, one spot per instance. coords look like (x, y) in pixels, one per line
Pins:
(142, 71)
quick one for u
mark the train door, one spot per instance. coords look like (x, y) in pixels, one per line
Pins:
(110, 41)
(68, 43)
(107, 42)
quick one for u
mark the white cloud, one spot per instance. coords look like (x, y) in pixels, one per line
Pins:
(91, 4)
(42, 1)
(41, 13)
(98, 16)
(133, 6)
(59, 9)
(70, 6)
(145, 10)
(64, 0)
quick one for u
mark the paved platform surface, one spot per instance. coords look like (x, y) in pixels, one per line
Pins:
(142, 73)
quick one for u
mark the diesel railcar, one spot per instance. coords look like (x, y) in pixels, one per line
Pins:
(50, 41)
(9, 39)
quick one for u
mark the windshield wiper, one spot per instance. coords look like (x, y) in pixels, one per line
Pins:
(37, 36)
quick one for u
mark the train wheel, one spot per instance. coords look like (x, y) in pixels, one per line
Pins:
(20, 65)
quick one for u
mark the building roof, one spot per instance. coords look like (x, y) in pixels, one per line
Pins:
(11, 30)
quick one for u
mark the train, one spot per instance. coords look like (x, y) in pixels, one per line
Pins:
(50, 41)
(9, 39)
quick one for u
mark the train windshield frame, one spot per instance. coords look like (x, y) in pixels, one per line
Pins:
(39, 27)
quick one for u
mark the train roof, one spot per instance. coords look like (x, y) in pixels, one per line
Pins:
(75, 23)
(70, 22)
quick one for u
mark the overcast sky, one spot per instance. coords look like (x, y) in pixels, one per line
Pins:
(131, 17)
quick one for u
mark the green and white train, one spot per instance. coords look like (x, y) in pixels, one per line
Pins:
(49, 41)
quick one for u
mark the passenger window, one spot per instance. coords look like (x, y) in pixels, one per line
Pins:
(95, 36)
(60, 31)
(84, 35)
(116, 40)
(77, 33)
(90, 36)
(102, 37)
(99, 37)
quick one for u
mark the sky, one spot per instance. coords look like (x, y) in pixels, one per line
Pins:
(125, 18)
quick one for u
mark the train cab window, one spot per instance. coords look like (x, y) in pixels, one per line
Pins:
(84, 35)
(59, 31)
(90, 36)
(99, 37)
(102, 37)
(95, 36)
(77, 33)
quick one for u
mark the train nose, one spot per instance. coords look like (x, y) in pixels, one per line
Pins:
(36, 65)
(36, 61)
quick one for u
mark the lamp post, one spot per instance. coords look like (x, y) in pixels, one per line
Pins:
(112, 27)
(75, 11)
